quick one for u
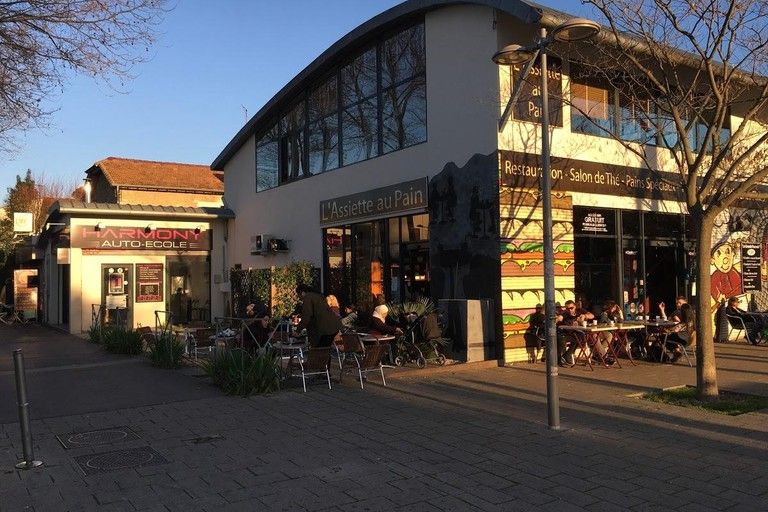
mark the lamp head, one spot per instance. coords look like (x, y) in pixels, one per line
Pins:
(100, 226)
(575, 29)
(513, 54)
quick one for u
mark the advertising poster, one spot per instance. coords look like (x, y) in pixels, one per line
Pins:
(149, 282)
(25, 291)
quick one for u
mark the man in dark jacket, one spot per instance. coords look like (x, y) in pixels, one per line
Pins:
(321, 323)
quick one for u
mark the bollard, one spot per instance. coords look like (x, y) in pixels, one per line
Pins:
(29, 461)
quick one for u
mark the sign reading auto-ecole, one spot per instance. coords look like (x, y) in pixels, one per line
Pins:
(140, 238)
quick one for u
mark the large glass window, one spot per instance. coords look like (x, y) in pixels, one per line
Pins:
(267, 160)
(373, 104)
(324, 127)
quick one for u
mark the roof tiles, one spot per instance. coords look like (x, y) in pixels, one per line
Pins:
(128, 172)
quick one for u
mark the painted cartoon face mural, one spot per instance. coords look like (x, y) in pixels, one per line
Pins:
(725, 279)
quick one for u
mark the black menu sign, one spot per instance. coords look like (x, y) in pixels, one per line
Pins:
(595, 222)
(750, 267)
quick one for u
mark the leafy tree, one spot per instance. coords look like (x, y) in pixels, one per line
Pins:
(42, 41)
(682, 70)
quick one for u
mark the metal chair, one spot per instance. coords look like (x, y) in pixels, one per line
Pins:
(678, 345)
(736, 323)
(346, 348)
(316, 362)
(371, 362)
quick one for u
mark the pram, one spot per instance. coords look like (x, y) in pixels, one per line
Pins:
(422, 335)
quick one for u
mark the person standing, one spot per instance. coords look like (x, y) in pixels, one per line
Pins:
(321, 323)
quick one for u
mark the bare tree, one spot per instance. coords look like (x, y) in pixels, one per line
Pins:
(683, 71)
(42, 41)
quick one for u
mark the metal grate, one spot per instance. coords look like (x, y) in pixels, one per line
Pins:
(119, 459)
(97, 437)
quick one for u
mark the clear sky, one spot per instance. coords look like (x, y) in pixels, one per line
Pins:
(214, 60)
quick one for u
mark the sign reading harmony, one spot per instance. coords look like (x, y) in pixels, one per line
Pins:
(523, 170)
(140, 239)
(149, 282)
(409, 195)
(751, 258)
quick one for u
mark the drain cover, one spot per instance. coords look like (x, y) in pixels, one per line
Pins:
(97, 437)
(119, 459)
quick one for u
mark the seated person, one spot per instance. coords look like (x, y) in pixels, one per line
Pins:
(570, 316)
(753, 323)
(333, 303)
(611, 313)
(535, 331)
(379, 322)
(256, 332)
(682, 332)
(349, 319)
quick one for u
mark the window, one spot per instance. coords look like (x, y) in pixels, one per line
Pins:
(292, 147)
(324, 127)
(404, 90)
(267, 160)
(373, 104)
(636, 120)
(359, 121)
(592, 110)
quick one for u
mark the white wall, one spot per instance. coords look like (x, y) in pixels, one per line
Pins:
(462, 101)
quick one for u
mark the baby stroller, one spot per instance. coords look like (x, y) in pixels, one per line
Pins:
(421, 335)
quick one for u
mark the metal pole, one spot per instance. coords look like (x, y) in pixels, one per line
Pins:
(29, 461)
(553, 395)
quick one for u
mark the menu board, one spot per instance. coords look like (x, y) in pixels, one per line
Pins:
(751, 258)
(149, 282)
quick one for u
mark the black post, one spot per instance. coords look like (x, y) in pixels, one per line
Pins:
(29, 461)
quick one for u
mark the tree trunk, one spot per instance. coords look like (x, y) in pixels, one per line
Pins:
(706, 370)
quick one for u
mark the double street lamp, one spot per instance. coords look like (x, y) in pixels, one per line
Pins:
(575, 29)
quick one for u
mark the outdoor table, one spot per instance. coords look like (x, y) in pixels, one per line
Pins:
(620, 339)
(589, 337)
(367, 337)
(655, 331)
(290, 350)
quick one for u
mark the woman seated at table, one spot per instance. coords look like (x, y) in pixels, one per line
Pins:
(379, 322)
(754, 324)
(570, 315)
(611, 313)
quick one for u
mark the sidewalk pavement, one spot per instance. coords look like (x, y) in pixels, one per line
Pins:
(465, 437)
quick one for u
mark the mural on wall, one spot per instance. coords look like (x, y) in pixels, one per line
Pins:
(463, 225)
(522, 262)
(725, 278)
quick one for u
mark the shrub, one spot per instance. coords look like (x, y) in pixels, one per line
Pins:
(95, 333)
(166, 351)
(122, 341)
(238, 372)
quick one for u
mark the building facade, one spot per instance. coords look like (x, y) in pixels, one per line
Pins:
(383, 164)
(149, 245)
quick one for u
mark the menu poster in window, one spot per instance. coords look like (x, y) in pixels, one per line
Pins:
(149, 282)
(593, 222)
(751, 258)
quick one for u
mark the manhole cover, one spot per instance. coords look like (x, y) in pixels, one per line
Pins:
(119, 459)
(97, 437)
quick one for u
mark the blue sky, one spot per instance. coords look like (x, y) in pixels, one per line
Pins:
(213, 60)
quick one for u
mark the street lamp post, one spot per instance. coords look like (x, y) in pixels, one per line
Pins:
(575, 29)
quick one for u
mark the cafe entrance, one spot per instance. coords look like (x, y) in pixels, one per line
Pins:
(636, 258)
(388, 257)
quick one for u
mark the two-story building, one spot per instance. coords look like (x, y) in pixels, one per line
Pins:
(382, 163)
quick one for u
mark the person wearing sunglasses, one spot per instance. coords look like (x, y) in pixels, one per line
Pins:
(566, 342)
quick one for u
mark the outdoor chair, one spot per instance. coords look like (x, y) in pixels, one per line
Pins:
(666, 341)
(345, 350)
(736, 323)
(200, 342)
(371, 362)
(316, 361)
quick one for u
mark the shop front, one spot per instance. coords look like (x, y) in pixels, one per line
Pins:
(376, 243)
(133, 271)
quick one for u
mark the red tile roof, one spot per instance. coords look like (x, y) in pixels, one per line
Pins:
(129, 172)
